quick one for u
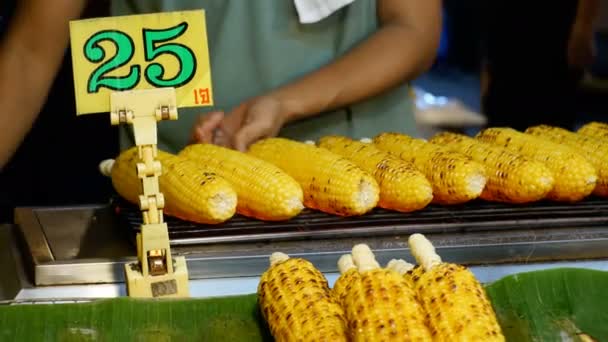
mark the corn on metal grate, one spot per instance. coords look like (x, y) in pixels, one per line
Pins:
(434, 218)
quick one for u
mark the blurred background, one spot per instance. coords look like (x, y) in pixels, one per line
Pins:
(517, 50)
(527, 40)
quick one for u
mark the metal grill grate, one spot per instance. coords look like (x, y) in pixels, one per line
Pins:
(473, 216)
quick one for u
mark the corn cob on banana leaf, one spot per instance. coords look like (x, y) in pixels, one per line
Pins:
(380, 305)
(331, 183)
(512, 178)
(402, 187)
(348, 272)
(594, 149)
(455, 177)
(264, 191)
(575, 178)
(191, 192)
(595, 129)
(456, 304)
(296, 302)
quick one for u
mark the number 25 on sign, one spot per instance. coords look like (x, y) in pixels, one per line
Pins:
(141, 52)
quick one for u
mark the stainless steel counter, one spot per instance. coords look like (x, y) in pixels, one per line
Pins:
(80, 252)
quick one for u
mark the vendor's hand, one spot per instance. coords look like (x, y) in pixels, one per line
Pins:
(581, 48)
(204, 128)
(259, 118)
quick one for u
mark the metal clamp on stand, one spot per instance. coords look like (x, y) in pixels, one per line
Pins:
(157, 273)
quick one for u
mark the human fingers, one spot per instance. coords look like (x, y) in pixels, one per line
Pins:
(205, 127)
(251, 132)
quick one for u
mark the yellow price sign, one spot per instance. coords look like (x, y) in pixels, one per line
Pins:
(141, 52)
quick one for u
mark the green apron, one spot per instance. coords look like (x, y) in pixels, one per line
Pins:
(258, 45)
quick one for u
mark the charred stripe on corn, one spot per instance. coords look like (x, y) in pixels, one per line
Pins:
(512, 178)
(594, 149)
(191, 192)
(402, 186)
(380, 305)
(575, 178)
(455, 178)
(456, 304)
(264, 191)
(295, 300)
(331, 183)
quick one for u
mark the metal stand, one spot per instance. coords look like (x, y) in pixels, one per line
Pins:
(157, 273)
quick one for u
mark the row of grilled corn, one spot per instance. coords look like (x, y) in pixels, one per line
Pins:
(277, 178)
(435, 301)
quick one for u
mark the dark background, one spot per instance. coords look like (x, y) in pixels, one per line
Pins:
(57, 163)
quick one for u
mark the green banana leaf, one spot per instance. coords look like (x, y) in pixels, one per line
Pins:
(127, 319)
(564, 304)
(549, 305)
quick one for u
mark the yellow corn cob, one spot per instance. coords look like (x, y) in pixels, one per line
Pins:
(191, 192)
(456, 304)
(404, 268)
(380, 305)
(575, 178)
(455, 178)
(512, 178)
(264, 191)
(295, 300)
(594, 129)
(331, 183)
(595, 150)
(348, 273)
(402, 186)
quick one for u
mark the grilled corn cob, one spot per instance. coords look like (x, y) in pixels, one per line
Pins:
(331, 183)
(404, 268)
(402, 187)
(380, 305)
(575, 178)
(295, 300)
(348, 273)
(399, 266)
(455, 178)
(456, 304)
(264, 191)
(595, 150)
(594, 129)
(512, 178)
(191, 192)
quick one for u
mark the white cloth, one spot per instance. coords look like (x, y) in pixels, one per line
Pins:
(312, 11)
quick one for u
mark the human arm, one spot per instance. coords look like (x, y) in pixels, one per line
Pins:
(580, 45)
(30, 56)
(403, 47)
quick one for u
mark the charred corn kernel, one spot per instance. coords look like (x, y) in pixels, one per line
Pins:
(456, 304)
(380, 305)
(595, 150)
(594, 129)
(575, 178)
(348, 273)
(402, 187)
(512, 178)
(191, 192)
(455, 178)
(331, 183)
(296, 301)
(264, 191)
